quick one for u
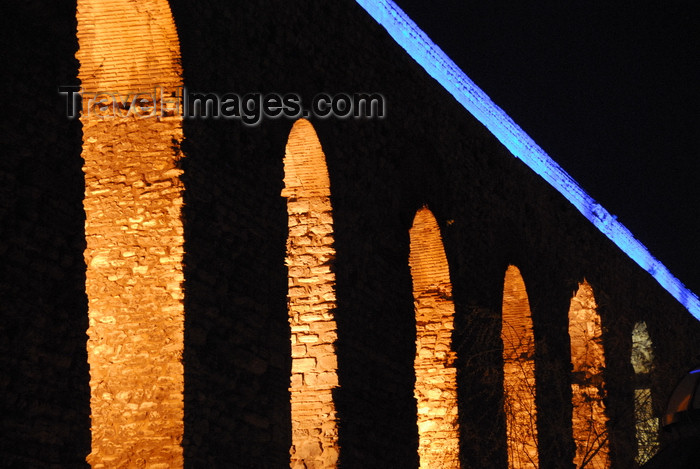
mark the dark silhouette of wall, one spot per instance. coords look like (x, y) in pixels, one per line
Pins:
(492, 211)
(44, 392)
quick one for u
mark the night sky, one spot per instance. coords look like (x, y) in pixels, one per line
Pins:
(610, 92)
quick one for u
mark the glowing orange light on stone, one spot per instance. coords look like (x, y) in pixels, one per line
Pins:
(588, 387)
(436, 377)
(134, 234)
(519, 373)
(311, 301)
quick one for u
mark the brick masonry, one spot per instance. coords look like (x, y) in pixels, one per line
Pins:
(588, 384)
(519, 385)
(237, 356)
(134, 236)
(436, 385)
(311, 301)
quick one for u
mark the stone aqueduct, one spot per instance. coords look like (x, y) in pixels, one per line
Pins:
(387, 293)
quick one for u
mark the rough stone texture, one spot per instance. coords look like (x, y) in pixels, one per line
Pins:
(134, 236)
(491, 209)
(436, 384)
(589, 419)
(311, 301)
(519, 386)
(134, 276)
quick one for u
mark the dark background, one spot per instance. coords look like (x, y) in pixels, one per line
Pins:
(237, 344)
(608, 89)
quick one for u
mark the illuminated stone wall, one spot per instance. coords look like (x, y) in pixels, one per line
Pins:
(436, 385)
(589, 420)
(134, 236)
(311, 301)
(235, 403)
(519, 373)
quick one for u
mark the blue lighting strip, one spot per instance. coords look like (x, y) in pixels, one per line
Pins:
(429, 56)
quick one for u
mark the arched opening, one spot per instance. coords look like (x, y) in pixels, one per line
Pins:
(436, 378)
(519, 373)
(646, 425)
(311, 300)
(129, 69)
(589, 420)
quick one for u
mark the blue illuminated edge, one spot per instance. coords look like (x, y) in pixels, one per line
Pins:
(429, 56)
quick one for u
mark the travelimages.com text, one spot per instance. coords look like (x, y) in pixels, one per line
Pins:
(249, 108)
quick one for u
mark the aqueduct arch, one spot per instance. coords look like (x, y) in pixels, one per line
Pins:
(436, 376)
(133, 230)
(311, 300)
(519, 372)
